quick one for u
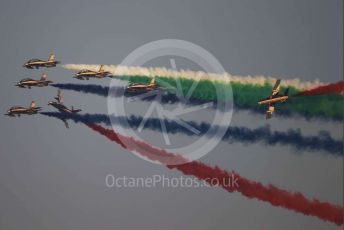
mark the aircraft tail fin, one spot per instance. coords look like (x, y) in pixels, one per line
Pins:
(152, 81)
(43, 77)
(66, 123)
(101, 68)
(51, 57)
(269, 112)
(33, 104)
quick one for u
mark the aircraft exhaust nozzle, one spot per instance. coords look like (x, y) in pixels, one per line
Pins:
(8, 113)
(19, 85)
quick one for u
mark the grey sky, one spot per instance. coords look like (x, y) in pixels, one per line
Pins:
(53, 178)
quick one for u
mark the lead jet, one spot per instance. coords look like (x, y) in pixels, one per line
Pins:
(28, 82)
(18, 110)
(36, 63)
(273, 98)
(135, 87)
(87, 74)
(58, 104)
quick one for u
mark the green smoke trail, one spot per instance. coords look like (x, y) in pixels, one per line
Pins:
(247, 96)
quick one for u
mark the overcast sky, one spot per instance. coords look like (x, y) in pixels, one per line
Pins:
(53, 178)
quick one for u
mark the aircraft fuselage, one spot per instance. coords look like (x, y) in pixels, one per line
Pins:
(62, 108)
(91, 74)
(270, 100)
(30, 83)
(20, 110)
(141, 87)
(37, 64)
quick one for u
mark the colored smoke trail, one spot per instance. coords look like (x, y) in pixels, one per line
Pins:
(194, 75)
(245, 97)
(323, 141)
(326, 89)
(268, 193)
(99, 90)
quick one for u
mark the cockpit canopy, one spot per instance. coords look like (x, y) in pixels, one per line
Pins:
(26, 79)
(34, 60)
(16, 107)
(85, 71)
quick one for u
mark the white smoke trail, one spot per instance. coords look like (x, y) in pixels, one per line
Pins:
(195, 75)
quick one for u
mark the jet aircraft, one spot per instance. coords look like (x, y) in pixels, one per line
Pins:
(18, 110)
(273, 98)
(87, 74)
(58, 104)
(36, 63)
(135, 87)
(28, 82)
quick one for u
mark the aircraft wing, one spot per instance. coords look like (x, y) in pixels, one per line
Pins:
(65, 123)
(276, 87)
(59, 97)
(269, 111)
(43, 77)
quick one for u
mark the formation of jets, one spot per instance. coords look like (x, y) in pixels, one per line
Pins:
(101, 73)
(273, 98)
(29, 82)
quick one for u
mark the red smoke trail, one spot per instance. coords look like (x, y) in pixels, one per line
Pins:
(325, 89)
(268, 193)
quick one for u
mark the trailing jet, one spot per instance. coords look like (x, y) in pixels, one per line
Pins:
(36, 63)
(18, 110)
(87, 74)
(28, 82)
(275, 97)
(134, 87)
(58, 104)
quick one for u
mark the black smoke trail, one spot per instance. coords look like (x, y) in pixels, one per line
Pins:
(323, 141)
